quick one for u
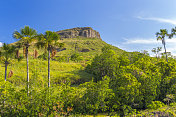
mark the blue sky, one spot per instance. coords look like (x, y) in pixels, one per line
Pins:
(128, 24)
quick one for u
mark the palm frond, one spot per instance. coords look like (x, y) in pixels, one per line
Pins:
(41, 44)
(157, 34)
(29, 32)
(26, 35)
(17, 35)
(7, 51)
(173, 31)
(170, 35)
(159, 38)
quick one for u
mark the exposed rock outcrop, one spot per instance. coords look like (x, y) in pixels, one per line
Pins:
(85, 32)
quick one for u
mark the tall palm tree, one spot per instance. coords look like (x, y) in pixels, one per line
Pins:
(26, 36)
(49, 41)
(7, 53)
(161, 36)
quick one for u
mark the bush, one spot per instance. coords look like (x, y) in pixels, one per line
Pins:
(60, 58)
(155, 105)
(43, 56)
(76, 57)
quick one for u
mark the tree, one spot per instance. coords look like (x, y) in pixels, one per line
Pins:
(76, 57)
(173, 32)
(26, 36)
(156, 51)
(145, 52)
(161, 36)
(6, 53)
(169, 98)
(48, 41)
(104, 64)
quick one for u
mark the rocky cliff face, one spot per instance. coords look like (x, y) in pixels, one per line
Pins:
(85, 32)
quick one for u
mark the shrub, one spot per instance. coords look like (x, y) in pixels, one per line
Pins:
(155, 105)
(43, 56)
(60, 58)
(76, 57)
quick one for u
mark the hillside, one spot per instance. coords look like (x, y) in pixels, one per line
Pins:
(84, 41)
(87, 76)
(62, 67)
(86, 47)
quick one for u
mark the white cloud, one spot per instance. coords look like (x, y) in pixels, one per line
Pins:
(138, 44)
(161, 20)
(140, 41)
(0, 44)
(147, 41)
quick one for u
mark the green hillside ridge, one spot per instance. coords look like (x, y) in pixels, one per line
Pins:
(88, 77)
(93, 47)
(61, 69)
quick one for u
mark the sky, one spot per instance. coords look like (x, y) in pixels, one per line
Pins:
(128, 24)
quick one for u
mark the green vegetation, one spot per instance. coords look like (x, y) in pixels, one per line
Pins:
(111, 82)
(26, 36)
(48, 41)
(6, 53)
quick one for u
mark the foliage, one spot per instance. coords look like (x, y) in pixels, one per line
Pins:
(123, 85)
(76, 57)
(104, 64)
(7, 52)
(155, 105)
(49, 41)
(26, 36)
(101, 81)
(6, 55)
(136, 83)
(43, 56)
(156, 51)
(61, 58)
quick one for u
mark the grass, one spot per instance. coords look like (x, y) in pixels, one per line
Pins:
(93, 45)
(60, 72)
(70, 72)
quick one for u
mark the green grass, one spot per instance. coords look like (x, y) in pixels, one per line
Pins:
(93, 45)
(63, 72)
(60, 72)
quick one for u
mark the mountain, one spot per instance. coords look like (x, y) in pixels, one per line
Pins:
(82, 40)
(84, 32)
(85, 42)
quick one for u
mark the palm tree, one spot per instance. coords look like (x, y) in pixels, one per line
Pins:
(161, 36)
(49, 41)
(6, 53)
(26, 36)
(173, 32)
(156, 51)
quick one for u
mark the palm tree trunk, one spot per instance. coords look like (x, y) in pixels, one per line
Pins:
(27, 61)
(6, 69)
(48, 67)
(165, 51)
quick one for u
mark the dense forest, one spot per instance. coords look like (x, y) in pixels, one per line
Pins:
(107, 83)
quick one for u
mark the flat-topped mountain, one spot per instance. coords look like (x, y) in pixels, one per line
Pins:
(84, 32)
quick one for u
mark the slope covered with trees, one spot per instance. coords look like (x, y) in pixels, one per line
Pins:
(101, 79)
